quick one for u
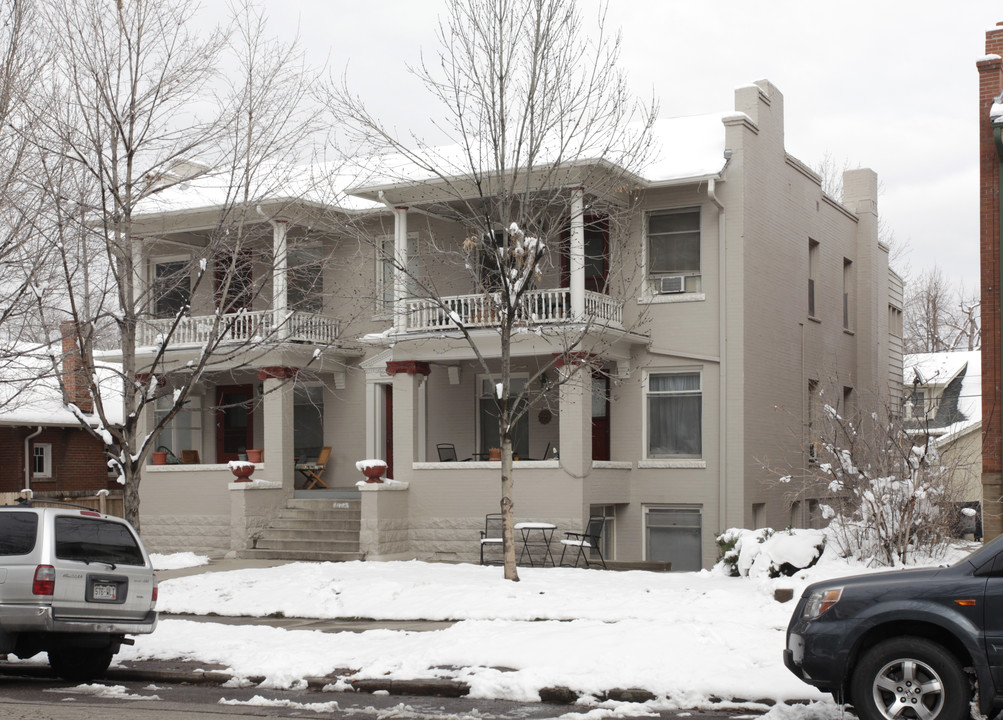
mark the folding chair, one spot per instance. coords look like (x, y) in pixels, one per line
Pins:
(313, 471)
(447, 452)
(585, 541)
(492, 533)
(190, 457)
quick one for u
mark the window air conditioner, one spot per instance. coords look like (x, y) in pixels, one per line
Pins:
(671, 284)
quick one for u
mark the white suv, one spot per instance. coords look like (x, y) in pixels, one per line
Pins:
(73, 584)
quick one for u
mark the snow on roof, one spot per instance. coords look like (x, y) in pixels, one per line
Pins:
(683, 147)
(938, 370)
(30, 393)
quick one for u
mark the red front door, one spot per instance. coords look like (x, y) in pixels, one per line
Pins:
(600, 417)
(234, 421)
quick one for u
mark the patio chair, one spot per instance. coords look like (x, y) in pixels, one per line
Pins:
(190, 457)
(313, 472)
(585, 541)
(491, 535)
(447, 452)
(546, 453)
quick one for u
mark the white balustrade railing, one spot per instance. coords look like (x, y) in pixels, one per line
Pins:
(241, 327)
(538, 307)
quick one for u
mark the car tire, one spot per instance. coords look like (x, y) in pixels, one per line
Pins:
(896, 675)
(80, 664)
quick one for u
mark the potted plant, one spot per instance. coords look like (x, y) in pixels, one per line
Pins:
(255, 455)
(372, 469)
(241, 469)
(159, 457)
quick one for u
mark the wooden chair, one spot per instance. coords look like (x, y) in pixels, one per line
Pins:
(491, 535)
(313, 472)
(585, 541)
(190, 457)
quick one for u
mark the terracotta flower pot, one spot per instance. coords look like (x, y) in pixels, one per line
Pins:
(159, 458)
(255, 456)
(241, 470)
(494, 454)
(372, 469)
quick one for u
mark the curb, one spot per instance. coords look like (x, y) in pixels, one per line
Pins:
(430, 687)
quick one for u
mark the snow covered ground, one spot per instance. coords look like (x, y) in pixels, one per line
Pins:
(692, 639)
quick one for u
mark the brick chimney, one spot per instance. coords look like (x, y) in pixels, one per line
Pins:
(990, 87)
(74, 377)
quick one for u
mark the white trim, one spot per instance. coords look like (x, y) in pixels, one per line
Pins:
(46, 449)
(668, 463)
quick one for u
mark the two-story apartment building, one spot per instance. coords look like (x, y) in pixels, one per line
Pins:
(750, 289)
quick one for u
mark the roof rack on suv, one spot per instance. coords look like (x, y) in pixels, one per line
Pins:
(43, 501)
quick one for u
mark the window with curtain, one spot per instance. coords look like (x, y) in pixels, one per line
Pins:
(674, 415)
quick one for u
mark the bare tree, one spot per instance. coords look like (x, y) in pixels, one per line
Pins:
(940, 317)
(139, 109)
(534, 108)
(880, 480)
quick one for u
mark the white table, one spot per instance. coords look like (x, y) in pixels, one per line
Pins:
(546, 531)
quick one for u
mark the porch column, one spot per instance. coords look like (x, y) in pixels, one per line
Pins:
(576, 256)
(408, 376)
(277, 415)
(575, 449)
(400, 264)
(280, 278)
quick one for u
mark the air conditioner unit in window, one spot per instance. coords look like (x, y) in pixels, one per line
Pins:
(671, 284)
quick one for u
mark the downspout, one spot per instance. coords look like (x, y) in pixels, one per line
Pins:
(27, 459)
(723, 361)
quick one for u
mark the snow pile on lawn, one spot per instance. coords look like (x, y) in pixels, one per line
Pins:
(767, 552)
(688, 638)
(177, 561)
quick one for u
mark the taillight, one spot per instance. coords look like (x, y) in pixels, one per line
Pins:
(45, 580)
(156, 591)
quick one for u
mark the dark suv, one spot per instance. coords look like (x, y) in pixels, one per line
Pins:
(73, 584)
(906, 644)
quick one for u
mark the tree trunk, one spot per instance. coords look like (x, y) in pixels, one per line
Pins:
(508, 510)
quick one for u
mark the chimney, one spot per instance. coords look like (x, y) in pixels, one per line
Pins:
(74, 377)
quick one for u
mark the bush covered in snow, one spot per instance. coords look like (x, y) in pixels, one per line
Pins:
(756, 553)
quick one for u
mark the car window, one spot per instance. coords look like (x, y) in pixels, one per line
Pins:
(984, 553)
(17, 532)
(92, 540)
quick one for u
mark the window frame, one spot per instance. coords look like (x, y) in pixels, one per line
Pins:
(385, 271)
(46, 457)
(194, 410)
(155, 294)
(692, 280)
(649, 394)
(302, 281)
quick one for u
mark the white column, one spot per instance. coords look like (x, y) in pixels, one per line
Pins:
(280, 278)
(575, 448)
(278, 435)
(400, 263)
(576, 259)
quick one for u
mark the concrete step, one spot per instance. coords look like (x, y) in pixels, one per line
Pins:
(306, 545)
(317, 525)
(301, 556)
(323, 504)
(320, 515)
(275, 533)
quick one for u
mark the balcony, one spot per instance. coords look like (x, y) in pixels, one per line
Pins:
(540, 307)
(241, 327)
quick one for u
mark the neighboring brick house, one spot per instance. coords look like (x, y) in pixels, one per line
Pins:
(990, 125)
(754, 286)
(42, 445)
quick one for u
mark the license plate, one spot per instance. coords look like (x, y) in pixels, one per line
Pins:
(104, 591)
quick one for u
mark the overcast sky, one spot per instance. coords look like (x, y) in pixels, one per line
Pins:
(885, 84)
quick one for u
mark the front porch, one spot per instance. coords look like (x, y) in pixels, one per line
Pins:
(240, 327)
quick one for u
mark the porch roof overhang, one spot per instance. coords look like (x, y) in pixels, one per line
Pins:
(299, 355)
(607, 342)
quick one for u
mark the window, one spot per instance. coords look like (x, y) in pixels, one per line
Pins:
(847, 299)
(674, 246)
(308, 421)
(488, 417)
(894, 321)
(608, 531)
(172, 287)
(184, 431)
(673, 535)
(387, 270)
(306, 280)
(41, 460)
(674, 415)
(811, 411)
(812, 269)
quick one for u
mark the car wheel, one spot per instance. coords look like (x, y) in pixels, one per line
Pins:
(910, 678)
(80, 664)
